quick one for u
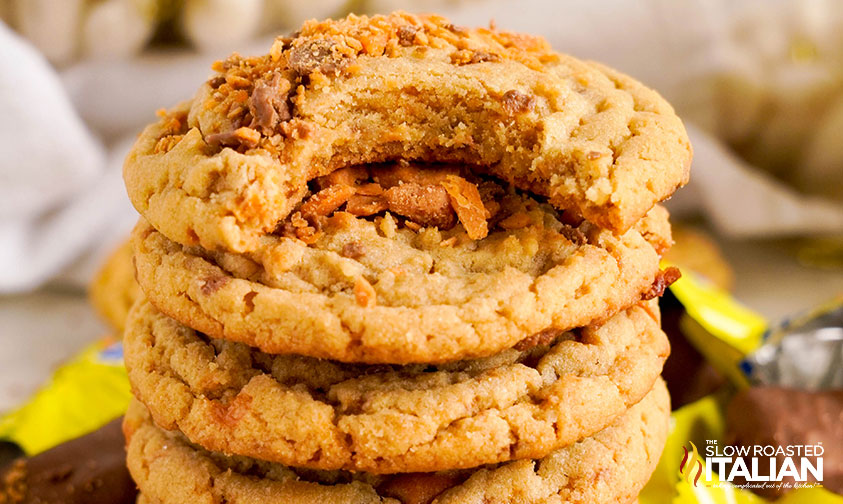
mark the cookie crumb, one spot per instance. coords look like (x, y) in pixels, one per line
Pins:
(449, 242)
(353, 250)
(663, 280)
(387, 225)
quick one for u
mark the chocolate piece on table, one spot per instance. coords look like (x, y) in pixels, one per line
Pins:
(781, 416)
(88, 469)
(9, 451)
(689, 377)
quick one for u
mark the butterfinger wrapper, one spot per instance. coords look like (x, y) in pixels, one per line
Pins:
(804, 353)
(82, 395)
(736, 341)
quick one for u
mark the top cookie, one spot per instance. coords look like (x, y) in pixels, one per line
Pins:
(225, 168)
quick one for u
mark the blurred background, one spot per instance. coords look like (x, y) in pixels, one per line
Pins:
(759, 84)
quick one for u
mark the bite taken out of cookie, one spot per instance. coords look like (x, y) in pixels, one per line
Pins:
(222, 170)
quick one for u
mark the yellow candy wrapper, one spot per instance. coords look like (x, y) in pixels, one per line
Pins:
(82, 395)
(691, 427)
(725, 333)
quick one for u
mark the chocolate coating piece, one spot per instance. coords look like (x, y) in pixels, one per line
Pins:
(782, 416)
(688, 375)
(88, 469)
(9, 451)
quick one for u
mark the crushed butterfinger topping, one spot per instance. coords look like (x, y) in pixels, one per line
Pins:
(166, 144)
(372, 189)
(362, 205)
(515, 102)
(403, 173)
(245, 136)
(234, 411)
(353, 250)
(364, 293)
(415, 226)
(257, 92)
(268, 103)
(515, 221)
(465, 198)
(326, 201)
(173, 127)
(414, 196)
(663, 280)
(349, 175)
(426, 204)
(13, 488)
(540, 338)
(419, 488)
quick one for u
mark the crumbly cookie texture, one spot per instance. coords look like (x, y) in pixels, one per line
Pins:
(114, 290)
(611, 466)
(368, 291)
(306, 412)
(222, 170)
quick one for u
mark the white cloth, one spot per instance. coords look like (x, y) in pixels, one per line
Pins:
(49, 163)
(61, 196)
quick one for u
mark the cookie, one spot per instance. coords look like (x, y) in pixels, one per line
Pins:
(221, 170)
(611, 466)
(142, 499)
(306, 412)
(114, 289)
(378, 290)
(696, 250)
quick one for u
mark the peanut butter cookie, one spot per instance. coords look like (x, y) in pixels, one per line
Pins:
(223, 169)
(612, 466)
(359, 274)
(521, 403)
(114, 290)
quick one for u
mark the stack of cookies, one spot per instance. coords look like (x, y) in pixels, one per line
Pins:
(397, 260)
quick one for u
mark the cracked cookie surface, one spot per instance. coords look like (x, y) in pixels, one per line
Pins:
(371, 291)
(222, 170)
(306, 412)
(611, 466)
